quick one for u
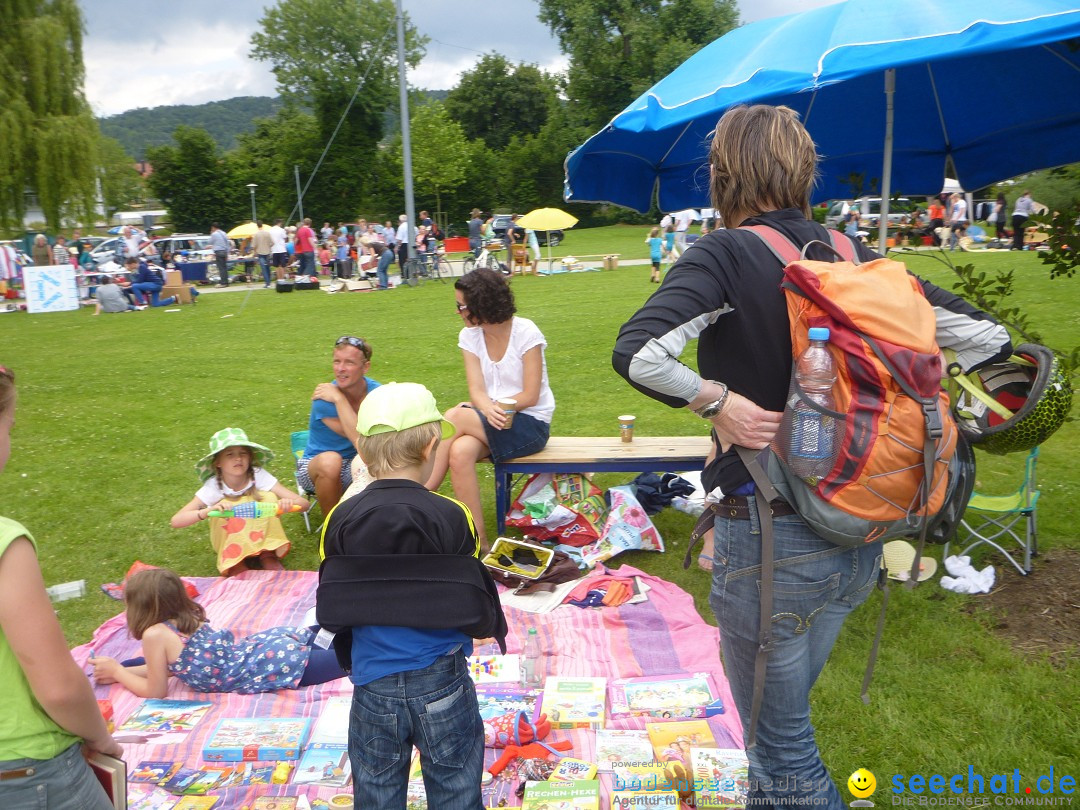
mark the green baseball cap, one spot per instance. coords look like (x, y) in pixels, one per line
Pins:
(396, 406)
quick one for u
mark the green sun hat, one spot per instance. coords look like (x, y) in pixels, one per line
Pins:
(231, 437)
(397, 406)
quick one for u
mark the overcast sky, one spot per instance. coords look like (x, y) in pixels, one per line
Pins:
(146, 53)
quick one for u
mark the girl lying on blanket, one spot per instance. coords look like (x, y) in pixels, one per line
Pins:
(232, 473)
(177, 641)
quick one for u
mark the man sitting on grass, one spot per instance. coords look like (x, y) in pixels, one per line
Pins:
(110, 298)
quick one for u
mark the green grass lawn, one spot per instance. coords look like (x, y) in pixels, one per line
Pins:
(115, 410)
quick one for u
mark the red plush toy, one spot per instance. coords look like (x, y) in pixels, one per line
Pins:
(514, 728)
(536, 750)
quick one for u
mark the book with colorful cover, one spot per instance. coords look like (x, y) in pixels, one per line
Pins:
(153, 771)
(669, 696)
(574, 702)
(195, 803)
(147, 796)
(672, 743)
(721, 778)
(497, 699)
(213, 777)
(183, 779)
(644, 800)
(323, 764)
(162, 722)
(416, 795)
(495, 668)
(578, 795)
(274, 803)
(616, 746)
(256, 739)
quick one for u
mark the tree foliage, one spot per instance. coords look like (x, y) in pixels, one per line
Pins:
(121, 185)
(440, 155)
(497, 100)
(195, 183)
(321, 51)
(620, 48)
(47, 134)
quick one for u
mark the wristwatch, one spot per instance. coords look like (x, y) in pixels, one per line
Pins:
(710, 409)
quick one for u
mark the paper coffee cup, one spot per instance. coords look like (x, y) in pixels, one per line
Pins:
(509, 407)
(626, 427)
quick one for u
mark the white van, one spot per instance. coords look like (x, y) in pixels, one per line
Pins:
(869, 209)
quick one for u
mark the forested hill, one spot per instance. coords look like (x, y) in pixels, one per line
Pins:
(224, 120)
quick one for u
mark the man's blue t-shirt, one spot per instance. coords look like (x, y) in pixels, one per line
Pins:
(379, 650)
(321, 438)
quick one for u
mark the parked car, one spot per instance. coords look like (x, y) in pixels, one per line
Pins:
(503, 220)
(869, 211)
(197, 246)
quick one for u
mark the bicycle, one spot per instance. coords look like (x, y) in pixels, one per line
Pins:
(429, 264)
(485, 259)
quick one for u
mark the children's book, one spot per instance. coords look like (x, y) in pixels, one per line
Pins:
(574, 702)
(261, 739)
(149, 797)
(622, 747)
(495, 668)
(573, 770)
(162, 722)
(254, 775)
(672, 696)
(671, 746)
(580, 795)
(323, 764)
(497, 699)
(721, 778)
(183, 779)
(195, 803)
(153, 771)
(333, 724)
(644, 799)
(111, 772)
(212, 777)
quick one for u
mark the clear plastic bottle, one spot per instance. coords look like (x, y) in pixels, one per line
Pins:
(811, 450)
(530, 661)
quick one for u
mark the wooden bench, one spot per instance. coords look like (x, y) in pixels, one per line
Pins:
(583, 454)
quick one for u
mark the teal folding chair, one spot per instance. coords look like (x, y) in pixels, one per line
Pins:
(1010, 519)
(298, 443)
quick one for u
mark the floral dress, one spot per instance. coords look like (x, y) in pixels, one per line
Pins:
(214, 661)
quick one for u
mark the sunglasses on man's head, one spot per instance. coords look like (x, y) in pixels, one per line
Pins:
(462, 307)
(355, 342)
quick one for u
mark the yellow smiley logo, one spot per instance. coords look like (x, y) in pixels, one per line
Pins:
(861, 783)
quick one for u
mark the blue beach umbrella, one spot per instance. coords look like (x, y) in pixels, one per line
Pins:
(892, 91)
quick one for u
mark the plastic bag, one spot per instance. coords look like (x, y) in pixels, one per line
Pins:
(576, 518)
(627, 528)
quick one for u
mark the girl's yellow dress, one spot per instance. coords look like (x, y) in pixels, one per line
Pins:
(235, 539)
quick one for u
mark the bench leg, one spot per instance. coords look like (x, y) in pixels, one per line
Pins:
(502, 498)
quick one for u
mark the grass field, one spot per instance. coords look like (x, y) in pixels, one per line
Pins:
(115, 410)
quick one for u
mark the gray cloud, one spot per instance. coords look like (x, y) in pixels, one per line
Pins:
(145, 53)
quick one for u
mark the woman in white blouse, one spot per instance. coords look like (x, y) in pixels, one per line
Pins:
(504, 359)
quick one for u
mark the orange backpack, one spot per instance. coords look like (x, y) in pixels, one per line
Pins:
(895, 435)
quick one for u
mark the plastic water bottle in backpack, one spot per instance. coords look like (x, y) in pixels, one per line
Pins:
(812, 445)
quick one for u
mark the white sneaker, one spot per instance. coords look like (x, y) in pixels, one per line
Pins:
(141, 307)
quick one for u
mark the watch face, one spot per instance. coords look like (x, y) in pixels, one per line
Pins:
(710, 410)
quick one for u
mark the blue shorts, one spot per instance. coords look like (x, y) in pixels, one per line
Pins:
(525, 436)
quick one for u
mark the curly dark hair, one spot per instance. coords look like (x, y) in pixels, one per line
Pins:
(487, 295)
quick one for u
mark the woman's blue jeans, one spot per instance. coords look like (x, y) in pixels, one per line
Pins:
(816, 584)
(434, 708)
(383, 268)
(64, 782)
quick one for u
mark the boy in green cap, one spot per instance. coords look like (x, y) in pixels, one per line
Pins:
(411, 681)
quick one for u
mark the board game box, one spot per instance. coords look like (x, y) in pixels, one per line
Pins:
(256, 739)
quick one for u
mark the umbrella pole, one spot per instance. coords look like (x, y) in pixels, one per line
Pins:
(886, 166)
(548, 234)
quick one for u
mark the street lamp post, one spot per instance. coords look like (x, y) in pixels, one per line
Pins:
(251, 188)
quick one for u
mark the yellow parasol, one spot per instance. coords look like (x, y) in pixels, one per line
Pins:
(243, 231)
(547, 219)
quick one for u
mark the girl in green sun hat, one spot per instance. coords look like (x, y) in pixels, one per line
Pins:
(233, 472)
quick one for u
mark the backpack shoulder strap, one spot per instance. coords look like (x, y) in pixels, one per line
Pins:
(781, 247)
(842, 245)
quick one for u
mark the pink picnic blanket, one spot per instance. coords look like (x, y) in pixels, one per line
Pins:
(664, 635)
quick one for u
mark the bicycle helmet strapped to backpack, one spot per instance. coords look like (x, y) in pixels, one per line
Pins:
(1013, 405)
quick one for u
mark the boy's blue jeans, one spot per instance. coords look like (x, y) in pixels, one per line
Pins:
(816, 585)
(434, 708)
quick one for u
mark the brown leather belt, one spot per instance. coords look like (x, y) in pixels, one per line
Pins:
(17, 773)
(737, 507)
